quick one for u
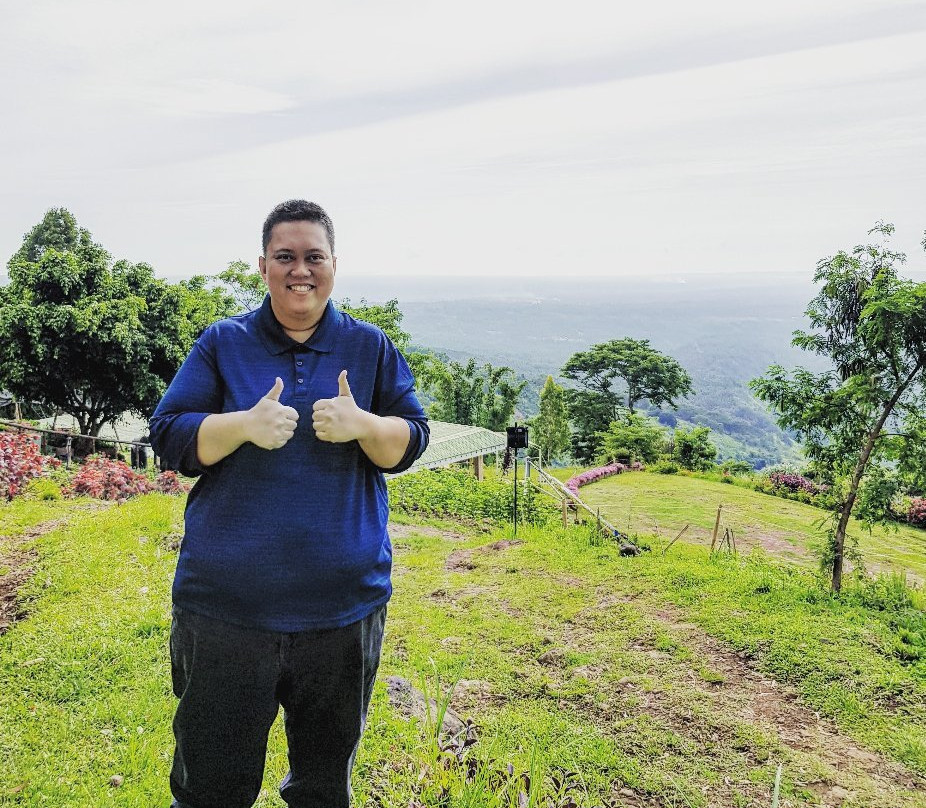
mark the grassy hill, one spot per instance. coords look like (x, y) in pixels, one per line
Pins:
(674, 680)
(663, 504)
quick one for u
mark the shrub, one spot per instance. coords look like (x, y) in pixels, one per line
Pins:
(737, 468)
(586, 477)
(456, 493)
(916, 513)
(794, 482)
(692, 449)
(103, 478)
(20, 462)
(167, 482)
(664, 467)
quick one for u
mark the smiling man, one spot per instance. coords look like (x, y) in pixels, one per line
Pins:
(289, 415)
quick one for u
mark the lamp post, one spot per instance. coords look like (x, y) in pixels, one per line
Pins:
(517, 440)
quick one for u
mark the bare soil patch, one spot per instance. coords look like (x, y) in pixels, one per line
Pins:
(18, 560)
(836, 768)
(404, 531)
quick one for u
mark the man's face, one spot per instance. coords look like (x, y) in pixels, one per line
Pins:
(299, 269)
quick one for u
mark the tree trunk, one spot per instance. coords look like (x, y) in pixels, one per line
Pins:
(839, 540)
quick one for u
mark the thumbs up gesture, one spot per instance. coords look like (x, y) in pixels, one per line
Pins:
(271, 424)
(339, 419)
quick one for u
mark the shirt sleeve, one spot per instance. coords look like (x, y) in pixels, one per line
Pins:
(395, 396)
(194, 394)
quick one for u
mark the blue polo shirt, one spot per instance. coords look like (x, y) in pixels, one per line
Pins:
(294, 538)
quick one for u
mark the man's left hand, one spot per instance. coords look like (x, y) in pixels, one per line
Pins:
(339, 419)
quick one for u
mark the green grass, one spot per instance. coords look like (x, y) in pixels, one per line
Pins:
(646, 503)
(567, 656)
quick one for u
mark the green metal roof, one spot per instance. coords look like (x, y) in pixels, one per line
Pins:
(453, 443)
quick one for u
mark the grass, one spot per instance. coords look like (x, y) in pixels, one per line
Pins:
(646, 503)
(569, 658)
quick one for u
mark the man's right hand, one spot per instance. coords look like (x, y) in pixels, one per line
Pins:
(271, 424)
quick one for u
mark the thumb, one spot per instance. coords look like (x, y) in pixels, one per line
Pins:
(274, 394)
(343, 386)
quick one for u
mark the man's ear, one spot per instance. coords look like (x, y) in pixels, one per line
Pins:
(334, 265)
(262, 266)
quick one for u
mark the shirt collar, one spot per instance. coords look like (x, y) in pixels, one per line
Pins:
(277, 341)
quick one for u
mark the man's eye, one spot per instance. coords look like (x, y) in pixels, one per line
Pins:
(284, 257)
(316, 259)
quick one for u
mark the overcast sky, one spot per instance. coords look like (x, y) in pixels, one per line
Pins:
(471, 139)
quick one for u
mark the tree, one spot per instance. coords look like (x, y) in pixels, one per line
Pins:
(589, 413)
(89, 337)
(468, 394)
(635, 437)
(244, 284)
(551, 426)
(866, 411)
(614, 376)
(646, 374)
(692, 449)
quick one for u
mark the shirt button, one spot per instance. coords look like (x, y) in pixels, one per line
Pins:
(299, 381)
(299, 362)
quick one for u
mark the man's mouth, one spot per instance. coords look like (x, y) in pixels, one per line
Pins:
(301, 287)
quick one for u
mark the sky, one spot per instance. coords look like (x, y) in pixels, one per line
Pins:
(472, 140)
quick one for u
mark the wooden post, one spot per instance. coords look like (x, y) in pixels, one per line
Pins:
(716, 528)
(479, 467)
(564, 513)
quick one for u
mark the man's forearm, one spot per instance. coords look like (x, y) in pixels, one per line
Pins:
(219, 435)
(385, 440)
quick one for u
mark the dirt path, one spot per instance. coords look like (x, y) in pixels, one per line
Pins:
(737, 719)
(17, 564)
(829, 764)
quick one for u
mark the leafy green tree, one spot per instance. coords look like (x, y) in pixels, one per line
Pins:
(865, 412)
(692, 449)
(627, 371)
(635, 437)
(589, 413)
(89, 337)
(244, 284)
(550, 429)
(613, 378)
(469, 394)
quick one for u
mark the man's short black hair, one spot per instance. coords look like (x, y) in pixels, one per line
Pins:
(298, 210)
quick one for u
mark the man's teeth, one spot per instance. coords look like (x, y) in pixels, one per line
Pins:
(301, 287)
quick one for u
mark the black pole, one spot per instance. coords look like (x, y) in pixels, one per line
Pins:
(515, 514)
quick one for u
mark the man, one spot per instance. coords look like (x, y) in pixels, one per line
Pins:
(290, 414)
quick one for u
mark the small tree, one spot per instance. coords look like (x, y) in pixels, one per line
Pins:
(89, 337)
(551, 426)
(866, 410)
(469, 394)
(635, 437)
(692, 449)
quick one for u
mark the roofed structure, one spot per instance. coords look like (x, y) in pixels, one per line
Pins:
(454, 443)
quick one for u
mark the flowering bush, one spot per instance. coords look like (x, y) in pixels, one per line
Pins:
(167, 482)
(916, 514)
(103, 478)
(586, 477)
(794, 482)
(20, 461)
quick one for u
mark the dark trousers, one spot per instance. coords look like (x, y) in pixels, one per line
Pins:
(231, 682)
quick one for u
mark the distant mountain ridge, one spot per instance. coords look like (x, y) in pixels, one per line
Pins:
(724, 331)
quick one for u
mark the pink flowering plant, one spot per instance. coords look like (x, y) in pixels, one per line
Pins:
(20, 462)
(794, 482)
(916, 513)
(590, 476)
